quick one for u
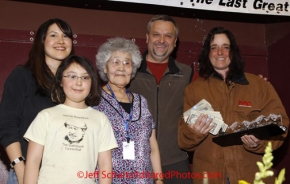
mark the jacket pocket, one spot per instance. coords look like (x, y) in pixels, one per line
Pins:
(249, 114)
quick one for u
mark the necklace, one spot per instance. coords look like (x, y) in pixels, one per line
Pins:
(121, 100)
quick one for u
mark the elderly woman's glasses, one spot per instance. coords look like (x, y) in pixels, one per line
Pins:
(74, 77)
(117, 62)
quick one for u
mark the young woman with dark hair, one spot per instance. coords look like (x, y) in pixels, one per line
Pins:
(27, 90)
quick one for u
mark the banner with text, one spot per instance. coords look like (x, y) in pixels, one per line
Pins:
(266, 7)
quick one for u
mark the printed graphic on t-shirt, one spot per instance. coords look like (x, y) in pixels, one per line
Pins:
(75, 129)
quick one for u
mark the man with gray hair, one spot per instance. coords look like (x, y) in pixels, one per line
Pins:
(162, 80)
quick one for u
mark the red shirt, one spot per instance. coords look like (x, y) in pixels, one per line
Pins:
(157, 69)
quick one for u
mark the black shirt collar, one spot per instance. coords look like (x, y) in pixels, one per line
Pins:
(171, 65)
(239, 78)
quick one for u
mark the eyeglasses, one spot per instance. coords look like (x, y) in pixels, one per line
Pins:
(74, 77)
(117, 62)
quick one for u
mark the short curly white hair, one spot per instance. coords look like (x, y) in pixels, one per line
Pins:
(117, 44)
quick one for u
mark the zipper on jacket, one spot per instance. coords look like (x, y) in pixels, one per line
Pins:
(157, 107)
(157, 123)
(157, 100)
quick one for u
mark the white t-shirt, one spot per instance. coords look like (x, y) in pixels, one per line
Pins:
(72, 139)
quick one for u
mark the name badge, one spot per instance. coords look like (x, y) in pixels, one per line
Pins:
(128, 150)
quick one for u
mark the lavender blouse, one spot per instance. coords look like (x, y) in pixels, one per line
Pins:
(140, 129)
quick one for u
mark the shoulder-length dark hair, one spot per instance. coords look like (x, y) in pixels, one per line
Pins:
(36, 62)
(205, 67)
(57, 93)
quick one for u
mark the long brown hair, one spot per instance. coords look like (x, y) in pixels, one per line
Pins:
(237, 64)
(36, 62)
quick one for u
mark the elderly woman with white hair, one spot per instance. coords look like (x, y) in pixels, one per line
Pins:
(137, 159)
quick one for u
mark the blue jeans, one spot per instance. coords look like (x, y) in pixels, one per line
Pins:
(12, 178)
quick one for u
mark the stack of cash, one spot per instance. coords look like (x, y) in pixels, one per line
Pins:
(204, 107)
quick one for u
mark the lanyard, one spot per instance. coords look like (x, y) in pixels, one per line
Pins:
(124, 119)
